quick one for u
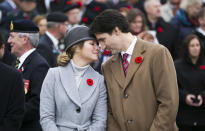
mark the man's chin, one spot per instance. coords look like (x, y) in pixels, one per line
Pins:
(115, 51)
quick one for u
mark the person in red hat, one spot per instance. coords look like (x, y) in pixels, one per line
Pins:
(12, 97)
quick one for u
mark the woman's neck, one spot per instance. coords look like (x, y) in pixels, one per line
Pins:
(80, 61)
(194, 59)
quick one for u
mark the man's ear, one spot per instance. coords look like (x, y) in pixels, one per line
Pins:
(25, 38)
(77, 50)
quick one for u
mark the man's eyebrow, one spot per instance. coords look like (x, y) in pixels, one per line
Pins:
(100, 39)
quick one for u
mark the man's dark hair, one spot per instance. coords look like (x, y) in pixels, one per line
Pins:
(106, 21)
(185, 48)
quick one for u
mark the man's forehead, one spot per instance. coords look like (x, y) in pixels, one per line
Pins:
(101, 35)
(13, 33)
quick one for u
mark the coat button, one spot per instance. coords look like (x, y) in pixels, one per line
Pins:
(125, 96)
(129, 121)
(78, 110)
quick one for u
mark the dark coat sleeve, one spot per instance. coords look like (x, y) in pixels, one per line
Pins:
(14, 114)
(44, 51)
(32, 105)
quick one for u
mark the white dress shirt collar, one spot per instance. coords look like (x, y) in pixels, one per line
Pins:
(201, 31)
(24, 56)
(130, 49)
(13, 5)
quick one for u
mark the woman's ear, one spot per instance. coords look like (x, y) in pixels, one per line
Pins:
(77, 50)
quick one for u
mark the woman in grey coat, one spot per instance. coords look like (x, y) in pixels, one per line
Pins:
(73, 95)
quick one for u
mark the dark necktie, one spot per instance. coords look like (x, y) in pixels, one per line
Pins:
(125, 63)
(17, 63)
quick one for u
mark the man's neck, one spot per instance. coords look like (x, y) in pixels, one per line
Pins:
(79, 61)
(127, 40)
(151, 19)
(54, 33)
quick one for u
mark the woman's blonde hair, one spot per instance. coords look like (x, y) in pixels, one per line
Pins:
(38, 18)
(65, 57)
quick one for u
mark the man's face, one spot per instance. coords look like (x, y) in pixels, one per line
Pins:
(193, 10)
(16, 43)
(110, 42)
(174, 1)
(63, 27)
(28, 6)
(73, 16)
(202, 21)
(154, 8)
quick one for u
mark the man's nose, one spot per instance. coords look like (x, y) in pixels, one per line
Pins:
(9, 41)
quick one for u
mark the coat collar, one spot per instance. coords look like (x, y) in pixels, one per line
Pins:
(81, 95)
(28, 59)
(117, 68)
(49, 41)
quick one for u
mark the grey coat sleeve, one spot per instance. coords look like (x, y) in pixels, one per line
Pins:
(99, 116)
(47, 103)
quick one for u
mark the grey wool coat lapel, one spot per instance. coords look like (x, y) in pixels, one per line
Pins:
(85, 90)
(69, 84)
(81, 95)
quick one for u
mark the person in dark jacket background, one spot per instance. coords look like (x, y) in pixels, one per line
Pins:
(163, 32)
(49, 42)
(191, 82)
(24, 40)
(11, 98)
(185, 20)
(5, 55)
(200, 31)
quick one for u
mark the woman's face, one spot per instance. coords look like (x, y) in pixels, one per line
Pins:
(194, 48)
(136, 25)
(42, 26)
(89, 51)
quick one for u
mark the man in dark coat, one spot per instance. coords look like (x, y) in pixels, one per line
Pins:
(200, 31)
(48, 43)
(11, 99)
(7, 7)
(23, 40)
(166, 34)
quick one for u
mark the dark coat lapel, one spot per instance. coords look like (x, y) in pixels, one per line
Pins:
(28, 60)
(49, 41)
